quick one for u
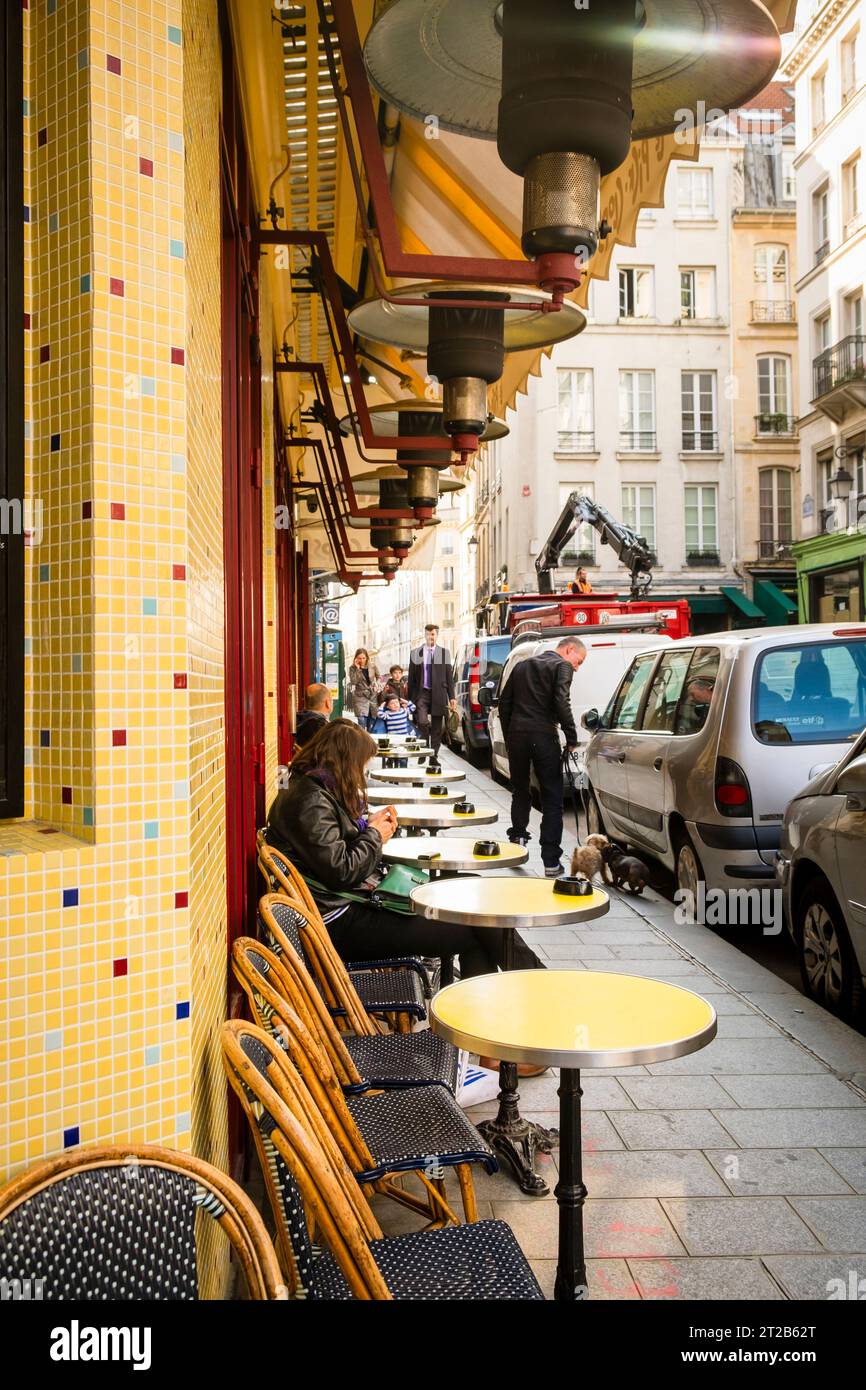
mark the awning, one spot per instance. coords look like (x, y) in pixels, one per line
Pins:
(777, 606)
(744, 606)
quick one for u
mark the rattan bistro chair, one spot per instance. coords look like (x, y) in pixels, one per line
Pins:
(419, 1129)
(310, 1183)
(369, 1060)
(393, 994)
(117, 1222)
(281, 876)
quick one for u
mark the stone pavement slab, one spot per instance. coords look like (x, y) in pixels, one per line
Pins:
(703, 1279)
(807, 1092)
(651, 1173)
(838, 1222)
(820, 1276)
(670, 1129)
(776, 1172)
(756, 1129)
(851, 1163)
(675, 1092)
(739, 1225)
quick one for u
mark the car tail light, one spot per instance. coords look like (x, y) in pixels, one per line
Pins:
(849, 632)
(475, 680)
(733, 797)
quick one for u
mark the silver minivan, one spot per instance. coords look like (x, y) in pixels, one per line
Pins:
(704, 744)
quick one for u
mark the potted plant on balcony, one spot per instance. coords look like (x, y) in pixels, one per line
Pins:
(701, 559)
(771, 422)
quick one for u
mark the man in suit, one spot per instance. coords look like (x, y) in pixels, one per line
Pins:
(431, 686)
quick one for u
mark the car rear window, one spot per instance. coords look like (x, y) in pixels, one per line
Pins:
(810, 693)
(493, 657)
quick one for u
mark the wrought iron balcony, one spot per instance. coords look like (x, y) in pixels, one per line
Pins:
(770, 422)
(839, 377)
(575, 442)
(822, 252)
(637, 441)
(775, 547)
(773, 311)
(700, 441)
(702, 559)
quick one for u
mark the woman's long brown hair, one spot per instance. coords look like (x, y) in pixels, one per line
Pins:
(342, 749)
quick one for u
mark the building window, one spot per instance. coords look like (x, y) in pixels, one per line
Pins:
(848, 64)
(821, 223)
(702, 523)
(698, 293)
(771, 271)
(699, 411)
(775, 513)
(448, 579)
(639, 510)
(852, 216)
(448, 615)
(774, 395)
(822, 332)
(576, 432)
(819, 101)
(635, 293)
(694, 193)
(824, 472)
(789, 177)
(637, 411)
(856, 465)
(446, 543)
(581, 548)
(854, 314)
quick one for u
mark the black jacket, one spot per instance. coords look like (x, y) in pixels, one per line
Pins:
(441, 678)
(307, 725)
(321, 839)
(536, 697)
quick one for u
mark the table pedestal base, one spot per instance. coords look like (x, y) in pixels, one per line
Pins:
(516, 1140)
(570, 1194)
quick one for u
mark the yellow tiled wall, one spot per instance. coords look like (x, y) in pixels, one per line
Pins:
(114, 887)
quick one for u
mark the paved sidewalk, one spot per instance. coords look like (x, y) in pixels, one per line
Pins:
(736, 1173)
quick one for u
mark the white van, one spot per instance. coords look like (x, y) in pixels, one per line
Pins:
(609, 653)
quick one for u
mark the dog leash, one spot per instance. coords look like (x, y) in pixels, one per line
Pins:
(568, 761)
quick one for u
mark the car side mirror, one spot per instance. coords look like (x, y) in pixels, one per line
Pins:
(591, 720)
(486, 697)
(852, 780)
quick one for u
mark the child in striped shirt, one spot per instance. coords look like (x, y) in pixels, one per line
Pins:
(395, 713)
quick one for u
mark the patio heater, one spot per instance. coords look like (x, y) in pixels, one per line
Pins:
(465, 347)
(564, 87)
(417, 418)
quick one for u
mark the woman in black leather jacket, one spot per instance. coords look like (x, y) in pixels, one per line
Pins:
(320, 823)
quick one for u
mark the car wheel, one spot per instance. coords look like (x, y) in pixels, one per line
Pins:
(828, 966)
(497, 776)
(594, 822)
(688, 869)
(476, 756)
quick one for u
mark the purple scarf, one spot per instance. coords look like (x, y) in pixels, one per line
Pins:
(326, 779)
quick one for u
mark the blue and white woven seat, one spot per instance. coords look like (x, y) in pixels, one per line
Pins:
(408, 1129)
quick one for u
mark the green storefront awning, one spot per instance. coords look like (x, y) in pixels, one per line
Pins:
(744, 606)
(777, 606)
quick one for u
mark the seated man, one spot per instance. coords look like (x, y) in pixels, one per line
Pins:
(318, 705)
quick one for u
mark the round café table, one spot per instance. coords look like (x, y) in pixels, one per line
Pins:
(515, 904)
(416, 776)
(395, 796)
(401, 750)
(446, 857)
(427, 815)
(573, 1019)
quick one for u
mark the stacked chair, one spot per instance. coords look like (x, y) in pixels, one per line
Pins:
(319, 1202)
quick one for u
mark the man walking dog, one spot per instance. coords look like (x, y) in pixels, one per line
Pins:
(534, 703)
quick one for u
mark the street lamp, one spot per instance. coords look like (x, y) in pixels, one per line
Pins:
(841, 484)
(473, 543)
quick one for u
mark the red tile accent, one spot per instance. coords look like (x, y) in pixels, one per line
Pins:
(42, 137)
(177, 357)
(116, 286)
(178, 571)
(26, 321)
(86, 511)
(118, 738)
(66, 796)
(120, 967)
(118, 511)
(145, 166)
(45, 353)
(181, 900)
(112, 63)
(180, 680)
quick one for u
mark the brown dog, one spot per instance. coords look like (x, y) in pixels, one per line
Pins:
(624, 870)
(588, 859)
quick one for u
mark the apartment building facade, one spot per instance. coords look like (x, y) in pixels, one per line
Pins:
(826, 66)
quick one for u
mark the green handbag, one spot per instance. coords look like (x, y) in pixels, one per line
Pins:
(391, 893)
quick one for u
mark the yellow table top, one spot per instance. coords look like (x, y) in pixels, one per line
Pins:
(414, 774)
(438, 817)
(573, 1018)
(393, 796)
(450, 852)
(505, 902)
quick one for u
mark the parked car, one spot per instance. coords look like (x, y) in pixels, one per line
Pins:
(822, 870)
(608, 654)
(704, 744)
(478, 666)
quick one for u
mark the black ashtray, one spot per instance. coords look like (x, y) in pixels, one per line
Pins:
(433, 769)
(384, 742)
(464, 808)
(438, 791)
(486, 849)
(573, 886)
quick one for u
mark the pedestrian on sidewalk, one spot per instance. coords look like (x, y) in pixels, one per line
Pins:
(396, 684)
(363, 688)
(431, 686)
(535, 703)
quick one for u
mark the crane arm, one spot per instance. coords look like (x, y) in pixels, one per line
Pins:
(626, 544)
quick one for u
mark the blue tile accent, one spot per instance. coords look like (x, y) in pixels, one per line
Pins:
(148, 386)
(175, 141)
(44, 738)
(54, 1040)
(87, 815)
(54, 443)
(28, 757)
(44, 574)
(148, 607)
(28, 646)
(26, 213)
(53, 221)
(183, 1122)
(151, 1056)
(76, 664)
(28, 430)
(25, 108)
(175, 248)
(151, 829)
(71, 1137)
(181, 790)
(178, 463)
(83, 59)
(70, 897)
(174, 34)
(84, 284)
(182, 1009)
